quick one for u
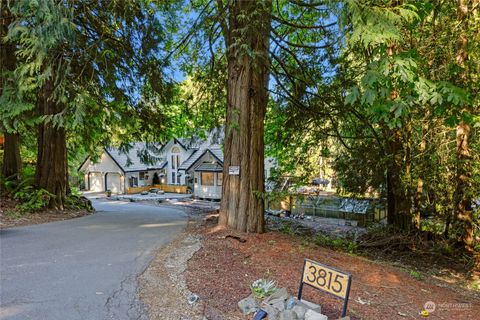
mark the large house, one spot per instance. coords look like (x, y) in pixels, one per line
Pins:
(193, 165)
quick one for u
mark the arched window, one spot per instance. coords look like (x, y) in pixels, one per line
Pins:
(175, 158)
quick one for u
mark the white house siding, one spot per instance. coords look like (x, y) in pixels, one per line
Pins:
(147, 182)
(269, 163)
(96, 182)
(95, 173)
(184, 154)
(207, 192)
(114, 182)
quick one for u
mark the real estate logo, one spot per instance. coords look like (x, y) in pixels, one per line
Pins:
(429, 306)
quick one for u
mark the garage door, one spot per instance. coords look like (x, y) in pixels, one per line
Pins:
(113, 182)
(96, 182)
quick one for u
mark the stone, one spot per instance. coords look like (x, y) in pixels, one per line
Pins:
(281, 293)
(248, 305)
(278, 304)
(290, 303)
(287, 315)
(300, 311)
(309, 305)
(313, 315)
(192, 299)
(261, 314)
(271, 311)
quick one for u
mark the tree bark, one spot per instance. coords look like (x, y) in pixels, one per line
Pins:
(419, 191)
(12, 163)
(242, 207)
(399, 205)
(463, 196)
(463, 193)
(51, 169)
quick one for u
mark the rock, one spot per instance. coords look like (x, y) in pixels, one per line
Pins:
(271, 311)
(192, 299)
(313, 315)
(281, 293)
(309, 305)
(287, 315)
(290, 303)
(261, 314)
(248, 305)
(300, 311)
(278, 304)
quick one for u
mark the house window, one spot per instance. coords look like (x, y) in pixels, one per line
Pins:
(173, 177)
(143, 175)
(206, 178)
(133, 182)
(175, 157)
(219, 178)
(175, 161)
(178, 179)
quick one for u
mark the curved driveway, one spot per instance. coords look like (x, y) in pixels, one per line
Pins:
(84, 268)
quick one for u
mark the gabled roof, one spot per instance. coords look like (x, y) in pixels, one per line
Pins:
(187, 164)
(209, 167)
(138, 157)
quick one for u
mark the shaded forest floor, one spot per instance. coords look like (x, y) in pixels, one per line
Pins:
(10, 216)
(222, 270)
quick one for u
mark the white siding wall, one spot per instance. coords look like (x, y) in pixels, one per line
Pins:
(114, 182)
(269, 163)
(97, 171)
(183, 156)
(142, 183)
(207, 192)
(104, 164)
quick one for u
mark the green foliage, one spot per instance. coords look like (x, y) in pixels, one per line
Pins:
(286, 228)
(263, 288)
(415, 274)
(78, 202)
(32, 199)
(342, 244)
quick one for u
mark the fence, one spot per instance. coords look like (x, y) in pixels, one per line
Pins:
(363, 211)
(165, 187)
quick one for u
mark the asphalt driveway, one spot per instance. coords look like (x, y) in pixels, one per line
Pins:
(84, 268)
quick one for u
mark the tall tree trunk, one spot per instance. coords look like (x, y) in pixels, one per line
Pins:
(419, 191)
(51, 170)
(242, 206)
(12, 163)
(463, 196)
(399, 213)
(463, 193)
(390, 199)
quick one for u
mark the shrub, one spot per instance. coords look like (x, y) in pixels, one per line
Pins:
(32, 199)
(262, 288)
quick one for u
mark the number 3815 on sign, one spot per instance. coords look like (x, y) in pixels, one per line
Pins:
(325, 278)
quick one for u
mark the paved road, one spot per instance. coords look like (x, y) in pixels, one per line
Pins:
(84, 268)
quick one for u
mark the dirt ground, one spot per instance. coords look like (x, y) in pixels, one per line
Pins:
(222, 270)
(10, 217)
